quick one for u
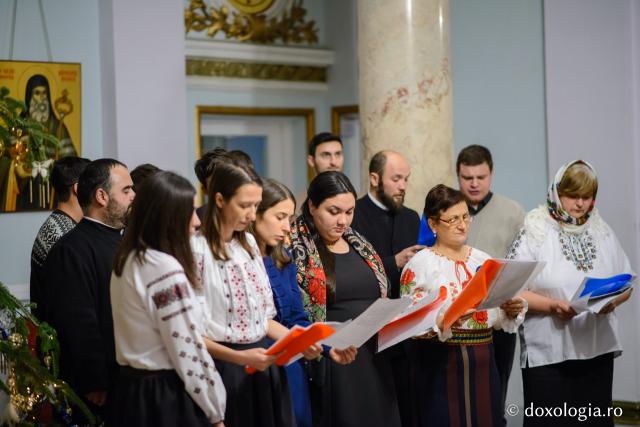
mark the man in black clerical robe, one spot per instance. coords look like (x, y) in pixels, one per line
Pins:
(383, 220)
(392, 229)
(78, 273)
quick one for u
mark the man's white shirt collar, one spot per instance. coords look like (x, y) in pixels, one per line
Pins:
(100, 222)
(377, 202)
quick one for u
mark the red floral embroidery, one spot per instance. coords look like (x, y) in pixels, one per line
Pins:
(170, 295)
(317, 291)
(407, 277)
(407, 280)
(480, 316)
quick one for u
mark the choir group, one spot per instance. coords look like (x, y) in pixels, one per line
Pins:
(163, 310)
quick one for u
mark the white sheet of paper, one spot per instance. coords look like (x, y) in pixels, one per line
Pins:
(363, 327)
(386, 340)
(510, 281)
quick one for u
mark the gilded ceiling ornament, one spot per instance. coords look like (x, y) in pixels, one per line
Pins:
(260, 21)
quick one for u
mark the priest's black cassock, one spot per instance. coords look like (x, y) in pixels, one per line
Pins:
(388, 232)
(78, 273)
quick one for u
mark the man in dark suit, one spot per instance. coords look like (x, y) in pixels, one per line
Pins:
(382, 218)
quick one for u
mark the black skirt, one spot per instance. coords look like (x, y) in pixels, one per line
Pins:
(577, 385)
(153, 398)
(359, 394)
(258, 400)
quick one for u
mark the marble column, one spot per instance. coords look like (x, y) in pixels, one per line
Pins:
(405, 88)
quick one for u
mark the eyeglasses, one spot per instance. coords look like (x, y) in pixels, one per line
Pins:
(456, 220)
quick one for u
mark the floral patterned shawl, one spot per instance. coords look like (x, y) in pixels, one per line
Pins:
(311, 276)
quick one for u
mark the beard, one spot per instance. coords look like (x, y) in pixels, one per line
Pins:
(39, 111)
(392, 204)
(116, 215)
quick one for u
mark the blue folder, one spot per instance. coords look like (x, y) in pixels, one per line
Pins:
(598, 288)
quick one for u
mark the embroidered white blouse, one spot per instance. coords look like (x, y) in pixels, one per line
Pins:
(571, 255)
(428, 270)
(237, 293)
(157, 325)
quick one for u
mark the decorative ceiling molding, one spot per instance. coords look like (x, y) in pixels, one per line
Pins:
(265, 21)
(213, 49)
(248, 70)
(224, 84)
(232, 66)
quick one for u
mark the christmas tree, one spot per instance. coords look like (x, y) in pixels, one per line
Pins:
(29, 353)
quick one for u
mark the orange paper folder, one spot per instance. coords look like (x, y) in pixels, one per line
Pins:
(296, 341)
(414, 318)
(473, 294)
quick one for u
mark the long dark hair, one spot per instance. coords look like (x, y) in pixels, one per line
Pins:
(274, 192)
(225, 179)
(159, 219)
(324, 186)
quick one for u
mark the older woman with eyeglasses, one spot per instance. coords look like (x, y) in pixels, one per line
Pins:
(454, 376)
(567, 358)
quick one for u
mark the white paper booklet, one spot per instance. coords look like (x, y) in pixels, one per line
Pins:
(363, 327)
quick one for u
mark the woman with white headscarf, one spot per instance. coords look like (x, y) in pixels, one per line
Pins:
(568, 357)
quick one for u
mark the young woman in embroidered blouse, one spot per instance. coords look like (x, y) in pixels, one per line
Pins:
(271, 229)
(568, 357)
(455, 380)
(240, 303)
(167, 377)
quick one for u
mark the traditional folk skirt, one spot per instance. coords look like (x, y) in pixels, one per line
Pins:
(455, 383)
(255, 400)
(569, 393)
(153, 398)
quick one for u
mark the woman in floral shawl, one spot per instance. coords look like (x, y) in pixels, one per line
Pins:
(340, 275)
(567, 357)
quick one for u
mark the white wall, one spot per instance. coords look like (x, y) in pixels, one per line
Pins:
(498, 91)
(143, 62)
(593, 80)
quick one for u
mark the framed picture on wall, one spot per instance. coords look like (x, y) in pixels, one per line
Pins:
(345, 122)
(274, 138)
(51, 93)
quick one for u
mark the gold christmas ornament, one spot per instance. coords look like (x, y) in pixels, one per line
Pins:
(16, 340)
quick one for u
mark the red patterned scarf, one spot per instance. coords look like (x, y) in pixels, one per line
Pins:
(310, 272)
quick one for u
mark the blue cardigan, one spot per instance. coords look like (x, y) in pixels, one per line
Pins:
(286, 294)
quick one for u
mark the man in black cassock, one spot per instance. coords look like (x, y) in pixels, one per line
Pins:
(78, 273)
(392, 229)
(382, 218)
